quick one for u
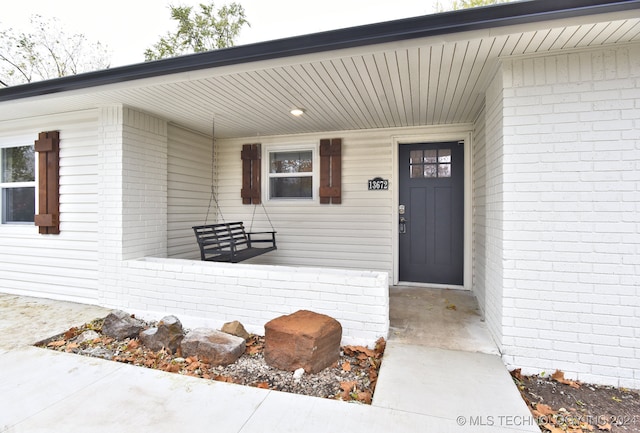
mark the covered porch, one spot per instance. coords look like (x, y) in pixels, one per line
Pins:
(439, 318)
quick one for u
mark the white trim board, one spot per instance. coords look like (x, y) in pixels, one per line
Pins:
(452, 133)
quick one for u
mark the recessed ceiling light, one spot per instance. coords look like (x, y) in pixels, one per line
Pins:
(297, 112)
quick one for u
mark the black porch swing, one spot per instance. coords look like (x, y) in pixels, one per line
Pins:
(229, 242)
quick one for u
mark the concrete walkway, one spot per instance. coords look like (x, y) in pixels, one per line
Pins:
(421, 389)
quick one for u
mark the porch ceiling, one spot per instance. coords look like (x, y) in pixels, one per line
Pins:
(417, 82)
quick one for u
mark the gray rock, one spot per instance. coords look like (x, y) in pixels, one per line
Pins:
(120, 325)
(213, 347)
(86, 336)
(235, 328)
(167, 335)
(97, 352)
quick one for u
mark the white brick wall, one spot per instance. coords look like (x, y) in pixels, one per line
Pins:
(572, 215)
(132, 194)
(488, 279)
(210, 294)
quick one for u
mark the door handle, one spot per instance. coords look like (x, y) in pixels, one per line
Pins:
(403, 225)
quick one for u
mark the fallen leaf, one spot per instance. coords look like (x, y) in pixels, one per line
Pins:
(554, 429)
(263, 385)
(558, 376)
(346, 366)
(348, 386)
(358, 351)
(451, 307)
(380, 346)
(604, 427)
(253, 350)
(58, 343)
(616, 399)
(221, 378)
(517, 374)
(172, 368)
(72, 332)
(193, 366)
(71, 346)
(545, 409)
(373, 378)
(133, 344)
(585, 426)
(364, 397)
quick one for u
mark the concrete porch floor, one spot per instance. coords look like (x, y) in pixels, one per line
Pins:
(443, 318)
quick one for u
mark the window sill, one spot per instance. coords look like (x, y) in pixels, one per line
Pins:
(18, 229)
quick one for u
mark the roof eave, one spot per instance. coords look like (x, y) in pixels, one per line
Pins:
(392, 31)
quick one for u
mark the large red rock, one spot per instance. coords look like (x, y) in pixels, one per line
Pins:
(303, 339)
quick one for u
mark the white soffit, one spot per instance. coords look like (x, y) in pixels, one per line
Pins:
(428, 81)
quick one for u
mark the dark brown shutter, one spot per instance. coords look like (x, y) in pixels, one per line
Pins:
(48, 147)
(331, 171)
(250, 192)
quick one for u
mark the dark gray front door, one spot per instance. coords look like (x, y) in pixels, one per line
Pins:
(432, 225)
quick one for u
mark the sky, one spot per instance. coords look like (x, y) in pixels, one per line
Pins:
(128, 27)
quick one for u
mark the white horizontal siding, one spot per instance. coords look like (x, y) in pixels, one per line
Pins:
(60, 266)
(188, 189)
(356, 234)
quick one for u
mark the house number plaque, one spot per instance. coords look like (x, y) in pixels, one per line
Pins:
(378, 184)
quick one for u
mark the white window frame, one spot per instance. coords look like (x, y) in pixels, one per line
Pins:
(7, 144)
(314, 174)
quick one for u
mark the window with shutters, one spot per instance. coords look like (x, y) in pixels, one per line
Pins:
(292, 173)
(17, 184)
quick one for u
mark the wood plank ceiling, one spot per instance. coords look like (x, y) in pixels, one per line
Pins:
(426, 82)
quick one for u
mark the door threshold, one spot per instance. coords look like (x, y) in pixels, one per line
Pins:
(431, 285)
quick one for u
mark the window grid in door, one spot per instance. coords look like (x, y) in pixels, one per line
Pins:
(431, 163)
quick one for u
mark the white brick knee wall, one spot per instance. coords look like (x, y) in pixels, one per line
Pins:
(210, 294)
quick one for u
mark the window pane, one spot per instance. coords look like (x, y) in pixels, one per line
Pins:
(444, 170)
(291, 162)
(18, 204)
(18, 164)
(416, 157)
(444, 155)
(291, 187)
(430, 156)
(430, 170)
(416, 171)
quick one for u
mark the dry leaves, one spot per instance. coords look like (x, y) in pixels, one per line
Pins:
(562, 420)
(558, 376)
(356, 361)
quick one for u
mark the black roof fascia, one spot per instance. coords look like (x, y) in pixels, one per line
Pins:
(391, 31)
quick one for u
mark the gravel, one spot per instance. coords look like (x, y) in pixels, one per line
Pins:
(352, 378)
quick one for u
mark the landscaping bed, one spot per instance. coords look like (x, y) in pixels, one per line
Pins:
(568, 406)
(352, 378)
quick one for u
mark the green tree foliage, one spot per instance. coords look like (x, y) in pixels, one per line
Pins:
(47, 52)
(465, 4)
(199, 31)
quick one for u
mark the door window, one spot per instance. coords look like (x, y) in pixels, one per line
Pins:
(432, 163)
